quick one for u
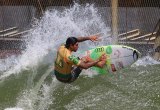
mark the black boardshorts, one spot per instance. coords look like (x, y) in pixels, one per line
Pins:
(69, 77)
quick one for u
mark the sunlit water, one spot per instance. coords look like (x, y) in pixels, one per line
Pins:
(26, 82)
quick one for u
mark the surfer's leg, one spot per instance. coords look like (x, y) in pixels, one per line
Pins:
(75, 73)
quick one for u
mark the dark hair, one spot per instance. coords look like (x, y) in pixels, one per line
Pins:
(71, 41)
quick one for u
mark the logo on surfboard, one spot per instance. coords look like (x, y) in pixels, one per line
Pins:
(101, 49)
(113, 68)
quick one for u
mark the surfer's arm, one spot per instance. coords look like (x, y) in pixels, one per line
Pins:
(92, 38)
(86, 65)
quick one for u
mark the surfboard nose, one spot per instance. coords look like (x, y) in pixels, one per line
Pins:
(136, 55)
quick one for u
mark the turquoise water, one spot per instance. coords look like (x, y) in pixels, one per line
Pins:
(26, 82)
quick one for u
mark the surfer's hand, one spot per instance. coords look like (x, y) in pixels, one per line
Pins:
(95, 37)
(102, 61)
(103, 57)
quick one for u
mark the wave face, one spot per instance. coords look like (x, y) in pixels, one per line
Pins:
(135, 87)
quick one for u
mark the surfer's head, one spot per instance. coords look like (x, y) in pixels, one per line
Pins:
(72, 43)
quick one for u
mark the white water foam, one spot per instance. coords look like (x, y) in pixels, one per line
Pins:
(29, 98)
(49, 33)
(146, 60)
(52, 30)
(13, 109)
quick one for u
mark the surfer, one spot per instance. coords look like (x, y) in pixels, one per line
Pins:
(68, 67)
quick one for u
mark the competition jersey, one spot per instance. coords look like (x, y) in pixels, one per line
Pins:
(64, 61)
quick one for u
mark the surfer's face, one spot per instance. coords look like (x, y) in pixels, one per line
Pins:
(75, 47)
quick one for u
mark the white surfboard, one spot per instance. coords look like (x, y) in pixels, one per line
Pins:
(118, 57)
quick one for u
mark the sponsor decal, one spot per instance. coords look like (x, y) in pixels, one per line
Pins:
(74, 59)
(59, 63)
(117, 53)
(113, 68)
(120, 64)
(109, 50)
(100, 49)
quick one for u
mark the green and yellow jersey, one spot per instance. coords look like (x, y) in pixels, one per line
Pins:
(64, 61)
